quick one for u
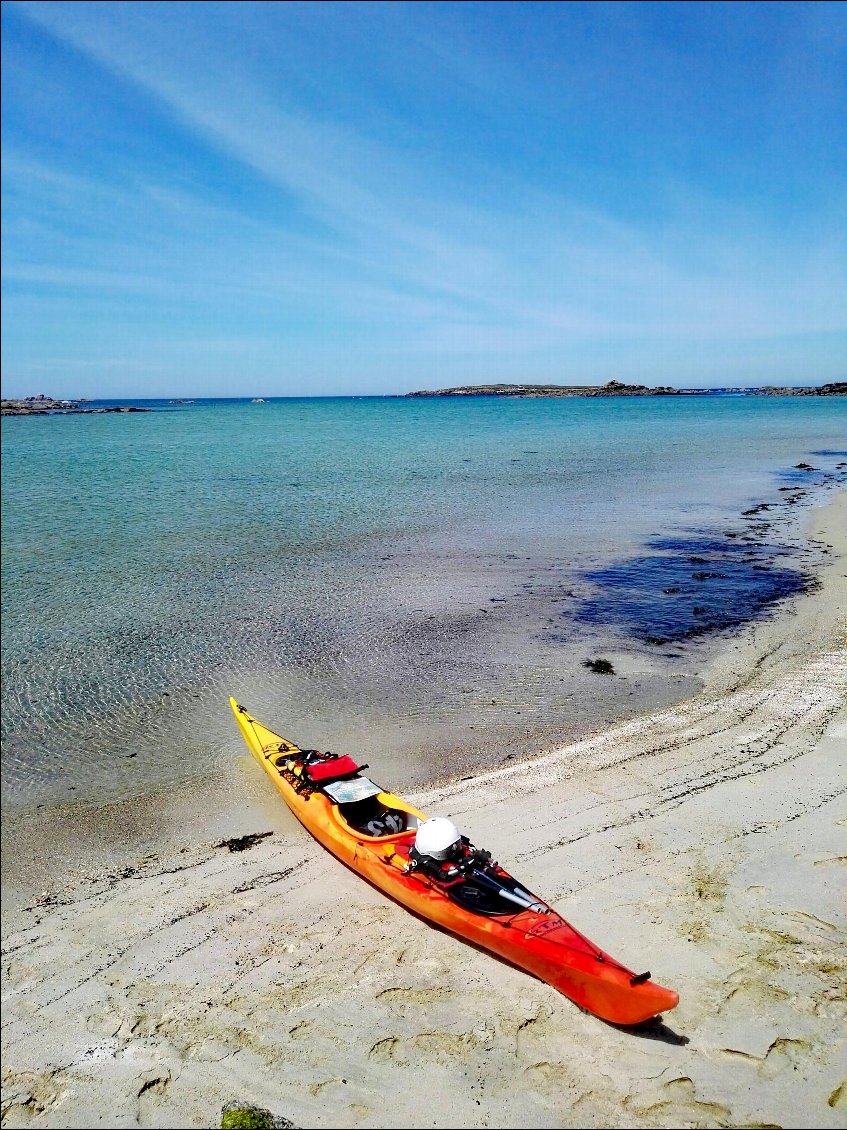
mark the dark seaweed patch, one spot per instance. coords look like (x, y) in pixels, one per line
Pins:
(658, 597)
(244, 843)
(805, 475)
(600, 666)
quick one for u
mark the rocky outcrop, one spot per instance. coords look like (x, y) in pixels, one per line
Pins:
(613, 388)
(836, 388)
(617, 388)
(42, 405)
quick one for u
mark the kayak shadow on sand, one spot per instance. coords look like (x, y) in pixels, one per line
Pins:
(654, 1029)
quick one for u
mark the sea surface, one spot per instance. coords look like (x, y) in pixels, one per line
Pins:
(420, 581)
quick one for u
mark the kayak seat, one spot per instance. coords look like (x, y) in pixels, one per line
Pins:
(372, 817)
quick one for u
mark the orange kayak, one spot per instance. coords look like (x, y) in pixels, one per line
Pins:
(373, 832)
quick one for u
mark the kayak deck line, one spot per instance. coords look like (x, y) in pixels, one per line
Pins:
(374, 833)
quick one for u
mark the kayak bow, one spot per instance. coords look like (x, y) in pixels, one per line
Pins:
(373, 832)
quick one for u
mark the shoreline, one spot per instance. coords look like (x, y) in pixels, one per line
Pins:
(543, 693)
(121, 828)
(700, 841)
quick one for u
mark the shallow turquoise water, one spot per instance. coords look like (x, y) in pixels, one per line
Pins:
(354, 565)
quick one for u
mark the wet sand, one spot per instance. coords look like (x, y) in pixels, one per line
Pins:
(703, 841)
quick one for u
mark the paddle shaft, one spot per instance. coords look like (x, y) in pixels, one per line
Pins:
(507, 894)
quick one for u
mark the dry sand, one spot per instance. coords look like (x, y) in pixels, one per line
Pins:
(705, 842)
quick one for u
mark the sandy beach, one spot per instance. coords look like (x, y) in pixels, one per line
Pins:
(704, 842)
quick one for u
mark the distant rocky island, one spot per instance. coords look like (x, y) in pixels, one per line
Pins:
(42, 405)
(616, 388)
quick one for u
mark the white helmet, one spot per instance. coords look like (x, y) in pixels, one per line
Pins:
(437, 838)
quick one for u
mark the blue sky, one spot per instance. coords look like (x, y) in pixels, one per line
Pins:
(226, 199)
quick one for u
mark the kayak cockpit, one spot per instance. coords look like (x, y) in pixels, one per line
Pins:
(376, 816)
(361, 807)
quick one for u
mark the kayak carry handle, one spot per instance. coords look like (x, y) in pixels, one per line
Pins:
(640, 978)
